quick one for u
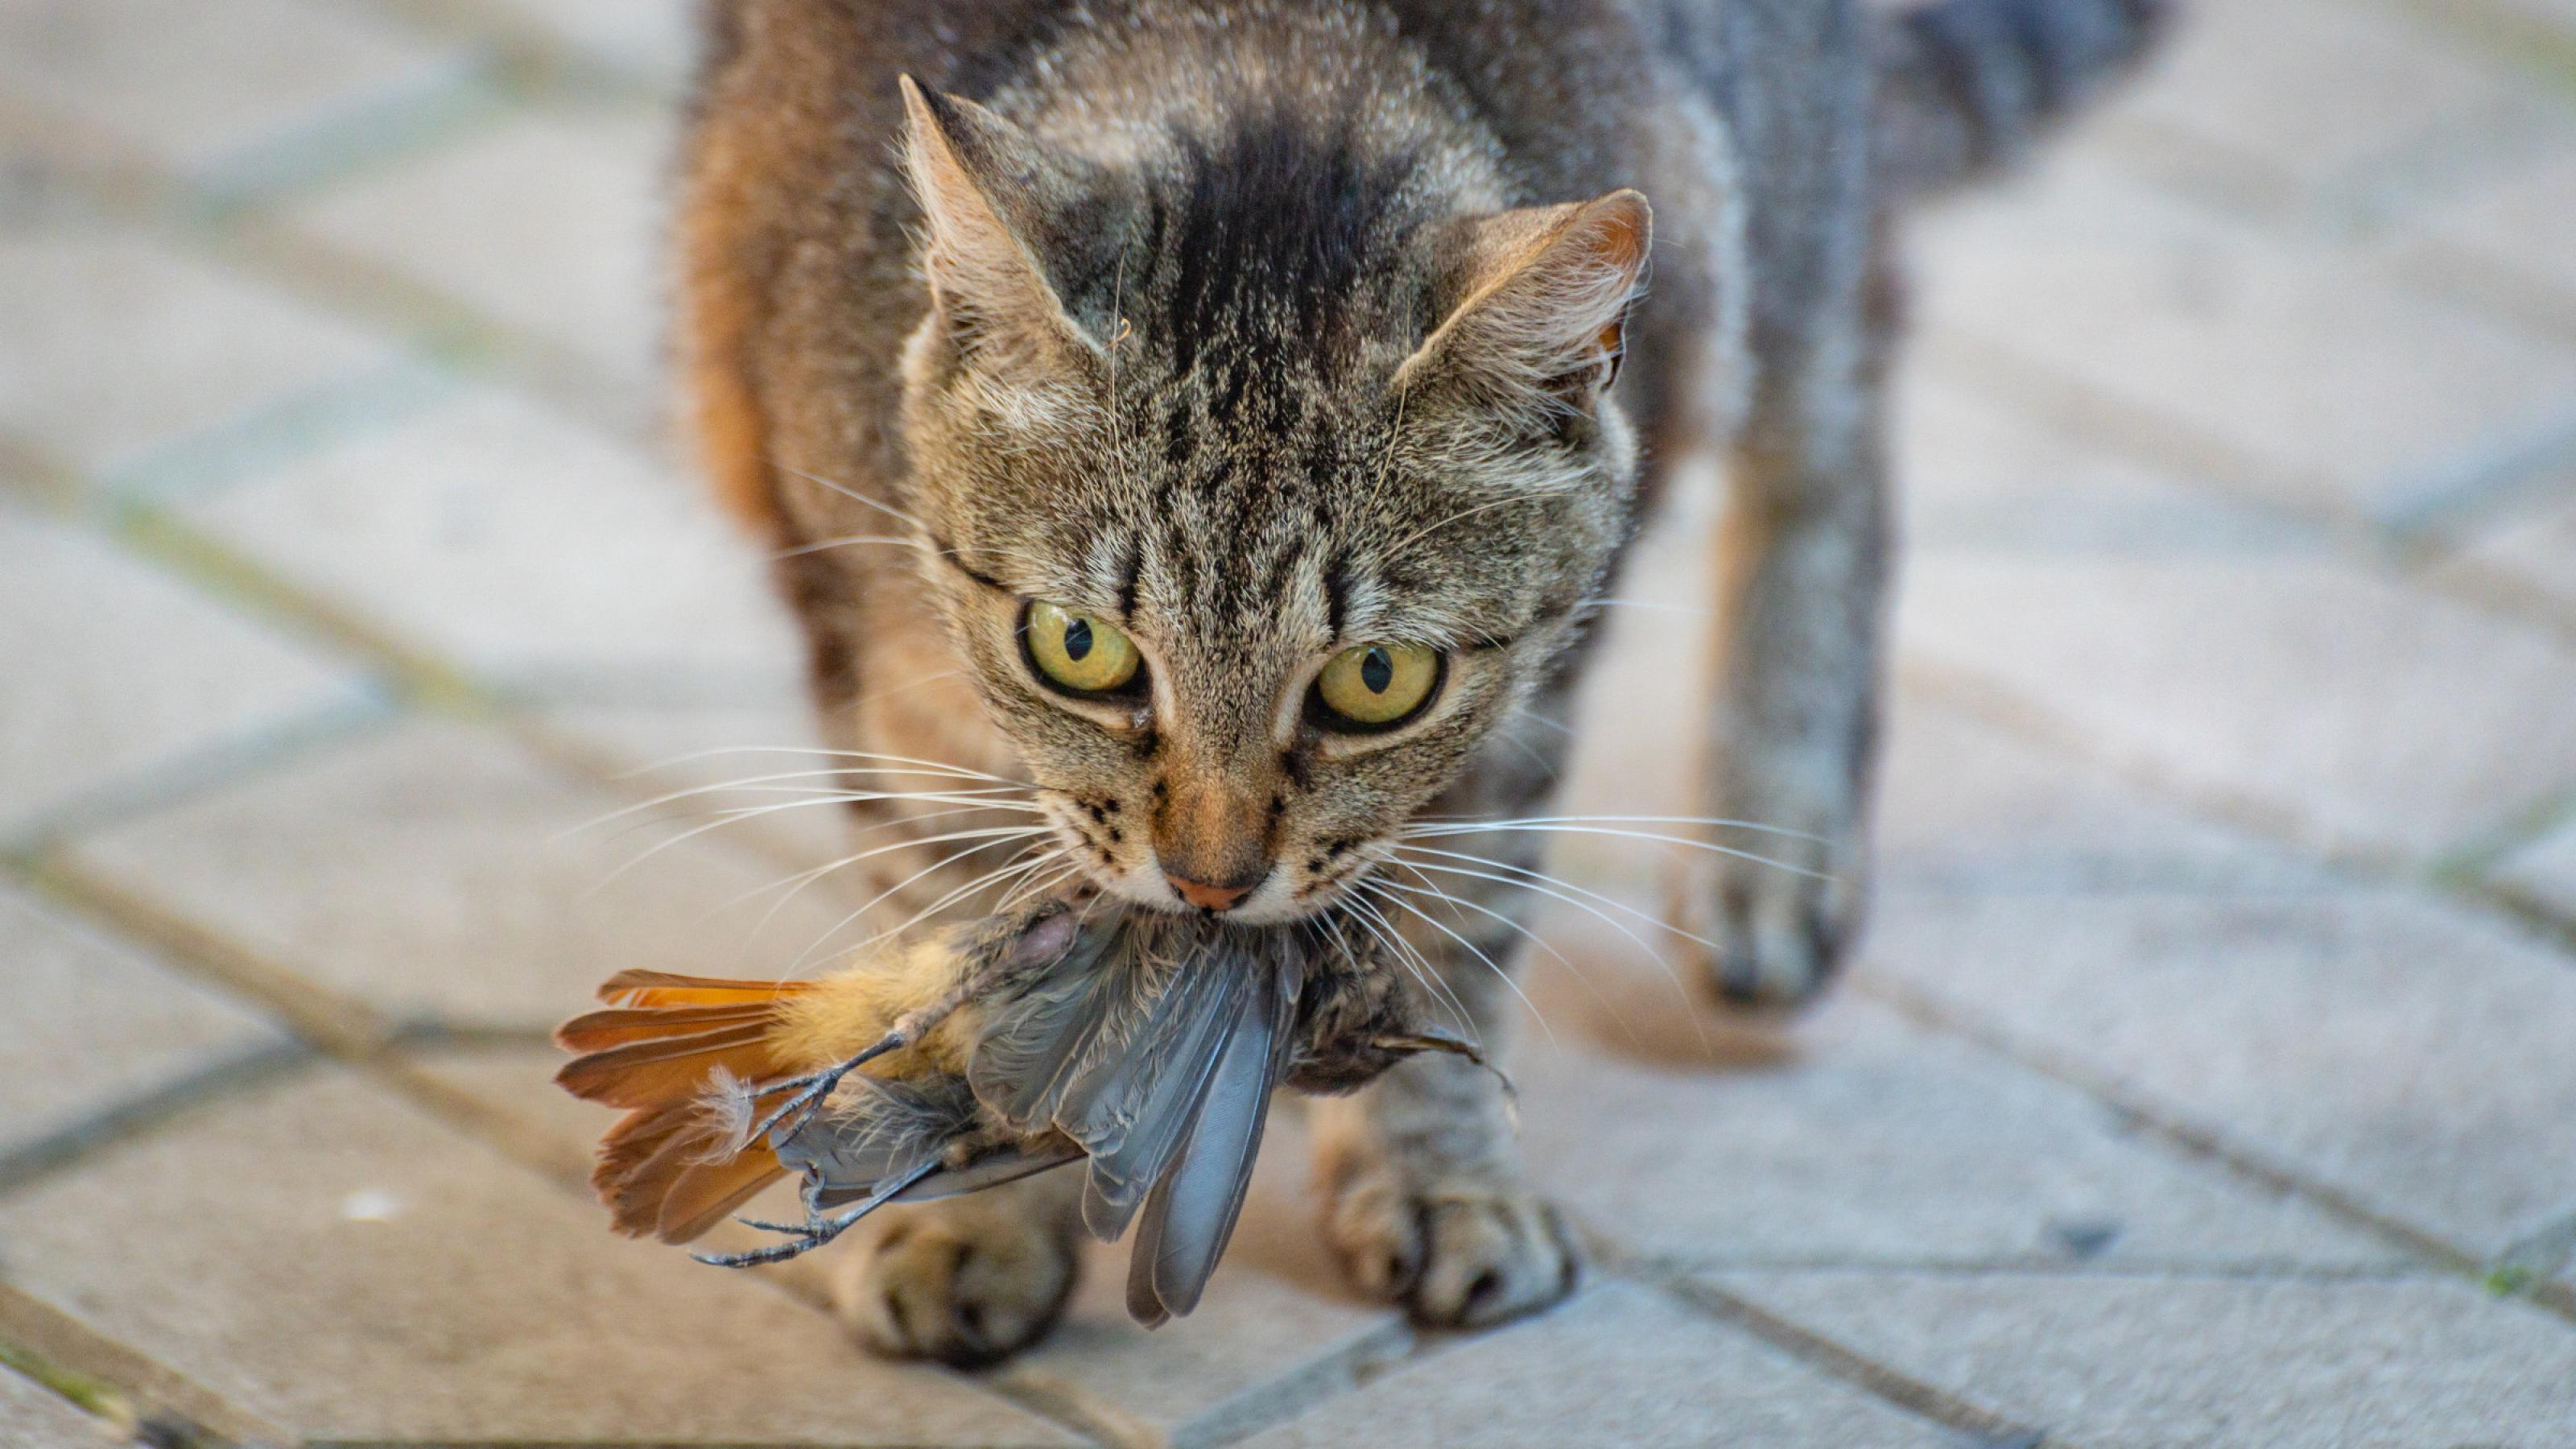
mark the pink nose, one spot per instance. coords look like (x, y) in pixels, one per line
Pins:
(1209, 897)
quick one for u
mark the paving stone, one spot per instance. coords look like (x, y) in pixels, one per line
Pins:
(434, 870)
(548, 222)
(2407, 1053)
(2317, 99)
(664, 747)
(1964, 806)
(1277, 1327)
(357, 1270)
(2545, 869)
(1277, 1331)
(120, 349)
(196, 85)
(2273, 353)
(655, 39)
(1618, 1365)
(38, 1418)
(519, 545)
(118, 671)
(1855, 1137)
(94, 1024)
(2126, 1363)
(2519, 224)
(2374, 713)
(2533, 547)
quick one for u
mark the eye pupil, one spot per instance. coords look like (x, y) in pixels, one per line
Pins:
(1077, 640)
(1377, 671)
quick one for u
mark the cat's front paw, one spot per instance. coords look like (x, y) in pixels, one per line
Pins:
(1455, 1255)
(1772, 932)
(965, 1282)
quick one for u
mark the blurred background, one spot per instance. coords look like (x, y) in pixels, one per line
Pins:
(2209, 1076)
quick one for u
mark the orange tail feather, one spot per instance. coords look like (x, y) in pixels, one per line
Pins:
(664, 1169)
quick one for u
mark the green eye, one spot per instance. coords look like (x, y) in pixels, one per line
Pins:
(1080, 652)
(1377, 686)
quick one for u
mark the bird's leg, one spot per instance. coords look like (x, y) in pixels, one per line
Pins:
(815, 1231)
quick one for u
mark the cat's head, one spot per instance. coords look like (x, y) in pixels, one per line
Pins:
(1261, 484)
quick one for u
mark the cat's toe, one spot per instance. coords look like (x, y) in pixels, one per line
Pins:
(965, 1283)
(1454, 1257)
(1771, 935)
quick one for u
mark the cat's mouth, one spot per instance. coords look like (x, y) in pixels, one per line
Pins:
(1290, 890)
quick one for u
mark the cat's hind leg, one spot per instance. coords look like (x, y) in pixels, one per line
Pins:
(1803, 549)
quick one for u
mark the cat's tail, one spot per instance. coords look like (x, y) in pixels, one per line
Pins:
(1965, 85)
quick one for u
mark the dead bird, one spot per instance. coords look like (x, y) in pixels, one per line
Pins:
(1146, 1044)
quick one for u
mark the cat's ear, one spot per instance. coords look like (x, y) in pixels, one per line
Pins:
(990, 193)
(1542, 297)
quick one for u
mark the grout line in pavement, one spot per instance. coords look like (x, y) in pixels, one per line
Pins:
(2525, 42)
(1971, 693)
(167, 1407)
(278, 433)
(203, 766)
(417, 678)
(151, 1109)
(1829, 1357)
(2042, 1265)
(350, 1031)
(2207, 1144)
(317, 151)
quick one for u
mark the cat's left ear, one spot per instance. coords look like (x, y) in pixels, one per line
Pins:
(1541, 303)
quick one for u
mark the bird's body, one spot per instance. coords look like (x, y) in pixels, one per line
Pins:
(980, 1053)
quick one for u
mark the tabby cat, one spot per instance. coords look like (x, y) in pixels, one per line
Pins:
(1226, 416)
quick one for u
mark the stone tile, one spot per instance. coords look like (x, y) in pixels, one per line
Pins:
(2369, 711)
(195, 85)
(519, 545)
(1981, 474)
(94, 1023)
(2531, 550)
(2519, 225)
(117, 671)
(38, 1418)
(2407, 1053)
(1853, 1137)
(655, 39)
(439, 871)
(2126, 1363)
(120, 349)
(353, 1268)
(1964, 806)
(2318, 99)
(1276, 1331)
(2545, 870)
(548, 222)
(660, 748)
(2223, 340)
(1618, 1365)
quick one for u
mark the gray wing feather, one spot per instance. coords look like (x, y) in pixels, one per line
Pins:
(1192, 1211)
(1136, 1114)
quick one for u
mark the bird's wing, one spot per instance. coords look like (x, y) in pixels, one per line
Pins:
(1191, 1213)
(1046, 1035)
(1134, 1110)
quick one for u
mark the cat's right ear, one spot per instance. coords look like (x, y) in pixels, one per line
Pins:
(988, 191)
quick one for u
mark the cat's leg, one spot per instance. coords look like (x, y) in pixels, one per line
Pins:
(1803, 563)
(967, 1281)
(1424, 1198)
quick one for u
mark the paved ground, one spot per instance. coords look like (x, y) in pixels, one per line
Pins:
(2210, 1077)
